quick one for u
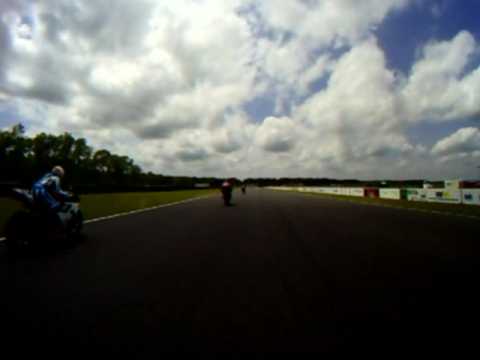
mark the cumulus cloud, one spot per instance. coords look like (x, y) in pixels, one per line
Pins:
(232, 136)
(360, 119)
(137, 64)
(192, 154)
(326, 22)
(167, 83)
(356, 116)
(4, 43)
(438, 87)
(276, 134)
(295, 53)
(459, 153)
(464, 141)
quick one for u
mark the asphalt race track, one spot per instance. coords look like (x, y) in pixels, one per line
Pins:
(275, 272)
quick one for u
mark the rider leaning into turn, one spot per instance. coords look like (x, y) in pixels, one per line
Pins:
(47, 191)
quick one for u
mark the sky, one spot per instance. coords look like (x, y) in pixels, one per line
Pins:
(370, 89)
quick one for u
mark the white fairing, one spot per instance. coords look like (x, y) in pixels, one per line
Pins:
(68, 211)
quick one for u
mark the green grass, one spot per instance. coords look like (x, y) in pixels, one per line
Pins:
(94, 206)
(7, 208)
(99, 205)
(453, 209)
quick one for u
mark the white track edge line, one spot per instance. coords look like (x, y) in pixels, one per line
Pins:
(138, 211)
(103, 218)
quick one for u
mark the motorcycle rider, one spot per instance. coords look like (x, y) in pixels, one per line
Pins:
(47, 192)
(244, 189)
(227, 188)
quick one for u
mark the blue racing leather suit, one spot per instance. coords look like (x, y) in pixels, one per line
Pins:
(47, 192)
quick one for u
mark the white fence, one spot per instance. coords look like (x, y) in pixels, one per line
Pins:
(449, 196)
(392, 194)
(358, 192)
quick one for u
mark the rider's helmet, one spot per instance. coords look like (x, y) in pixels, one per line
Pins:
(58, 171)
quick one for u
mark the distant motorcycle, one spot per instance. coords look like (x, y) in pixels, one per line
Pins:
(32, 227)
(227, 197)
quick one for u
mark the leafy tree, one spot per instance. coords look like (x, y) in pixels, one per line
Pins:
(24, 159)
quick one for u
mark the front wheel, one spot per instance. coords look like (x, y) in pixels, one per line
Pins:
(227, 199)
(76, 226)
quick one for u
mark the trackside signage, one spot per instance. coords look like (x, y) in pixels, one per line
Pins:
(471, 196)
(440, 195)
(444, 196)
(416, 194)
(358, 192)
(394, 194)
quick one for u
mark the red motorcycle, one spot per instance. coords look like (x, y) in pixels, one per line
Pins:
(227, 190)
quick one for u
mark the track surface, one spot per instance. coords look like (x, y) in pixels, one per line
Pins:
(275, 272)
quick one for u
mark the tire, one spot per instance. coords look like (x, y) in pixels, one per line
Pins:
(53, 230)
(76, 226)
(18, 231)
(227, 199)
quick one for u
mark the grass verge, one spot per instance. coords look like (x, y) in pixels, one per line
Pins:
(447, 209)
(99, 205)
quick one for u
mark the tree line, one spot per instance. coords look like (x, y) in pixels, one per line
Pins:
(23, 159)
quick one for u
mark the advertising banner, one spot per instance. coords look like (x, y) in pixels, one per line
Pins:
(471, 196)
(444, 196)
